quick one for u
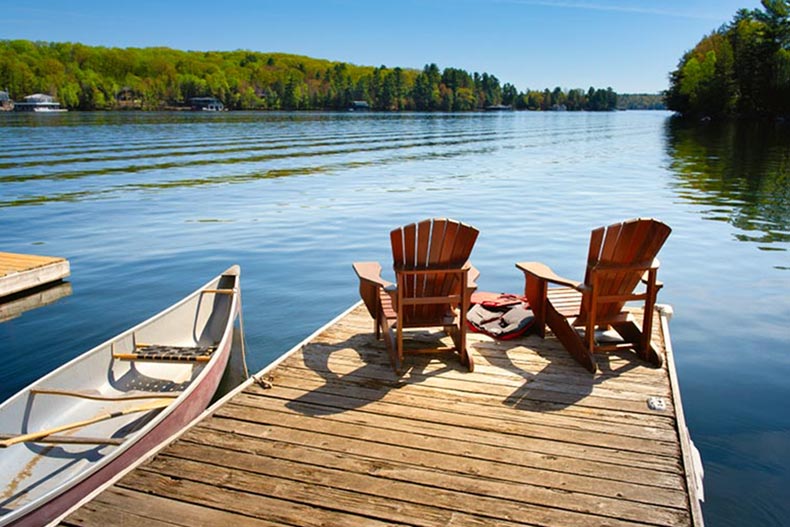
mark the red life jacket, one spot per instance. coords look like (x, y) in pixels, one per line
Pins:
(499, 315)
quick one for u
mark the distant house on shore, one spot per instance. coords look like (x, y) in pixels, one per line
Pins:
(206, 104)
(128, 99)
(6, 103)
(359, 106)
(38, 102)
(499, 108)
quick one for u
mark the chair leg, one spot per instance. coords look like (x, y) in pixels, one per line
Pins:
(466, 357)
(647, 351)
(458, 336)
(384, 328)
(567, 335)
(643, 344)
(535, 290)
(398, 347)
(589, 335)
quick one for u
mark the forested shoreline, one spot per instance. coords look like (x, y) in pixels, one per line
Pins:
(85, 77)
(740, 70)
(641, 101)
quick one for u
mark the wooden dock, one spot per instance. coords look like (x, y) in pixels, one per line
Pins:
(21, 272)
(332, 437)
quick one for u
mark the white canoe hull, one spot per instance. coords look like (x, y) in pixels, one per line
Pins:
(41, 481)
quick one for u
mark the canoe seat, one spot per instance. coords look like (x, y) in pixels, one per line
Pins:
(156, 352)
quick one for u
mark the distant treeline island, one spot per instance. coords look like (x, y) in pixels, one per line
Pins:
(99, 78)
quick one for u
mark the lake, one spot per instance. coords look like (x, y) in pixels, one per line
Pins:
(148, 206)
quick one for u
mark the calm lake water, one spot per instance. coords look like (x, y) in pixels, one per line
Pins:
(147, 207)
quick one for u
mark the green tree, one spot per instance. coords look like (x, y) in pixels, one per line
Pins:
(509, 94)
(465, 99)
(426, 93)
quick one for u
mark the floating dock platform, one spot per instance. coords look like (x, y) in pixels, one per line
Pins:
(329, 435)
(22, 272)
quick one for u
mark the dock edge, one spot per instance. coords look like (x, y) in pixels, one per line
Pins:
(692, 462)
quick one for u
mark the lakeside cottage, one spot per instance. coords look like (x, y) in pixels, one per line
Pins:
(206, 104)
(359, 106)
(499, 108)
(6, 104)
(128, 99)
(38, 102)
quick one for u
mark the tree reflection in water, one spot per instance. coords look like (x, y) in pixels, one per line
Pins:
(739, 172)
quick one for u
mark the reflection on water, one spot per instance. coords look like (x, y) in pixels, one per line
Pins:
(15, 305)
(739, 173)
(147, 206)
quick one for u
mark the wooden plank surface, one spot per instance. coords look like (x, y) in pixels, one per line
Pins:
(20, 272)
(335, 437)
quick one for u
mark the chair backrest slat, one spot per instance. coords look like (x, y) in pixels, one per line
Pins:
(437, 243)
(423, 243)
(625, 250)
(596, 240)
(422, 259)
(398, 251)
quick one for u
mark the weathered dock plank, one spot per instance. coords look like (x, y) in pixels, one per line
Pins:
(20, 272)
(334, 437)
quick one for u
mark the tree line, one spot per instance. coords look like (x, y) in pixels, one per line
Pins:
(742, 69)
(99, 78)
(641, 101)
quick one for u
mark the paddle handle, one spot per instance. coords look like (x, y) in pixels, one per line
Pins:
(32, 436)
(72, 440)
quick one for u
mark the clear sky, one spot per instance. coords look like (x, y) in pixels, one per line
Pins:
(629, 45)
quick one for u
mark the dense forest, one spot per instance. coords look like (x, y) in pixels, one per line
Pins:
(98, 78)
(742, 69)
(641, 101)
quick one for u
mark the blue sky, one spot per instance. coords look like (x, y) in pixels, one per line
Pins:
(630, 45)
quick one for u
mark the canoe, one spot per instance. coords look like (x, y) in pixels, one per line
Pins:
(74, 429)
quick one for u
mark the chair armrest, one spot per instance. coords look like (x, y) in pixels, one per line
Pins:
(370, 286)
(655, 265)
(370, 272)
(472, 276)
(544, 272)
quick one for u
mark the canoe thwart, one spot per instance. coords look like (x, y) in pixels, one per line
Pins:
(155, 352)
(219, 291)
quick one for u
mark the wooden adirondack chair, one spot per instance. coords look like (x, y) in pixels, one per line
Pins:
(433, 284)
(620, 256)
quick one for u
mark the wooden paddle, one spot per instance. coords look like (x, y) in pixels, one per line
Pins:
(33, 436)
(71, 440)
(98, 397)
